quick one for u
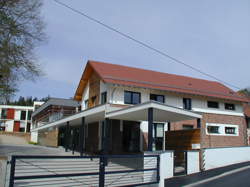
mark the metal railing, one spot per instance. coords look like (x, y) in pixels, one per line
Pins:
(101, 170)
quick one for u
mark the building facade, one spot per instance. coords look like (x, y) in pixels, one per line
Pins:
(130, 109)
(15, 118)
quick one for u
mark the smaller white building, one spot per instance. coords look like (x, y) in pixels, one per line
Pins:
(16, 118)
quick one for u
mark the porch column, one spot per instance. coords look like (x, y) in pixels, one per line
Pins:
(67, 137)
(198, 123)
(81, 136)
(169, 126)
(105, 135)
(150, 129)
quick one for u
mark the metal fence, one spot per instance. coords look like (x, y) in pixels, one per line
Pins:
(101, 170)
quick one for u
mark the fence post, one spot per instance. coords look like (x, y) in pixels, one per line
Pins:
(12, 171)
(158, 168)
(102, 171)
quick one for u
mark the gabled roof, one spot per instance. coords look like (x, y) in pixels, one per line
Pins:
(129, 76)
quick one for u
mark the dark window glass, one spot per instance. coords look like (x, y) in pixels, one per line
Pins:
(230, 130)
(187, 127)
(248, 122)
(158, 98)
(29, 115)
(23, 115)
(212, 104)
(187, 103)
(103, 97)
(132, 97)
(4, 114)
(229, 106)
(213, 129)
(21, 129)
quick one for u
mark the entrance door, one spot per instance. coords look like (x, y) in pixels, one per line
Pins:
(158, 136)
(131, 136)
(180, 162)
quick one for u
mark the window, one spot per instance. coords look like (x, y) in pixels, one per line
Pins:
(4, 114)
(212, 104)
(29, 115)
(86, 102)
(158, 134)
(248, 122)
(132, 97)
(213, 129)
(158, 98)
(21, 129)
(230, 130)
(23, 115)
(187, 103)
(103, 97)
(187, 127)
(229, 106)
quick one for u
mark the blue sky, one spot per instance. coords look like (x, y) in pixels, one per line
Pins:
(211, 35)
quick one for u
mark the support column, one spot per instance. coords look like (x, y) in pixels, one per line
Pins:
(169, 126)
(82, 136)
(105, 135)
(67, 137)
(198, 123)
(150, 129)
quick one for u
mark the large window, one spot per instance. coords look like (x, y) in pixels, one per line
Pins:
(158, 134)
(230, 130)
(29, 115)
(103, 97)
(229, 106)
(212, 104)
(4, 114)
(187, 103)
(158, 98)
(213, 129)
(23, 115)
(132, 97)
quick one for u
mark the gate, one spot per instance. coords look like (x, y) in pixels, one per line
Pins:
(89, 171)
(180, 162)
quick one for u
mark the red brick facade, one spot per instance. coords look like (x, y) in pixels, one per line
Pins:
(223, 141)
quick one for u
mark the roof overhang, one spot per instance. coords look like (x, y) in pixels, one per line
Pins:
(161, 113)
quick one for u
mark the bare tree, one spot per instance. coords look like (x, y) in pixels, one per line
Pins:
(21, 31)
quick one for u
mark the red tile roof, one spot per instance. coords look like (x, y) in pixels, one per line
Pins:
(118, 74)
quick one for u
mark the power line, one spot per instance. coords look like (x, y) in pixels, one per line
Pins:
(144, 44)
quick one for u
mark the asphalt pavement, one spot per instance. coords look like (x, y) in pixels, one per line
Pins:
(237, 175)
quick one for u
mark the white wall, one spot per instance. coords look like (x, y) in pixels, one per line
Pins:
(34, 136)
(116, 96)
(17, 114)
(166, 167)
(219, 157)
(193, 162)
(9, 125)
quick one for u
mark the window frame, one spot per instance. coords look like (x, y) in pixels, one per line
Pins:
(227, 106)
(131, 97)
(104, 95)
(187, 105)
(210, 102)
(156, 96)
(222, 129)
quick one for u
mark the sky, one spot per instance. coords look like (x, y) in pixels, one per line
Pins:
(211, 35)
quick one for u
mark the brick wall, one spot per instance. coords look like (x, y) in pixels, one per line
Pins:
(179, 125)
(48, 138)
(223, 141)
